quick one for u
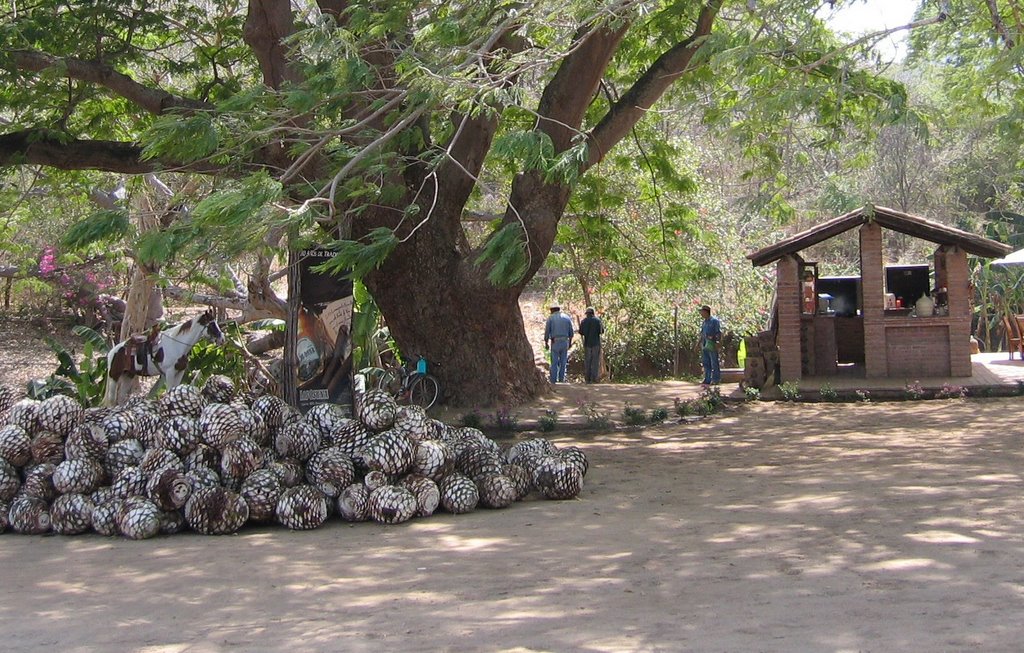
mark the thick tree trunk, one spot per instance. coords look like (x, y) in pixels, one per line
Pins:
(473, 330)
(440, 306)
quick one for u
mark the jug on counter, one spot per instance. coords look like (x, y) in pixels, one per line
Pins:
(925, 306)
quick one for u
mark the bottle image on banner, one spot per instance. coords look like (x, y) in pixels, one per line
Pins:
(310, 347)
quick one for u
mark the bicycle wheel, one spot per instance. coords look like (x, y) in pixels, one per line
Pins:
(425, 391)
(389, 382)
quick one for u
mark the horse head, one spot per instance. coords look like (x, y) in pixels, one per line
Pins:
(209, 322)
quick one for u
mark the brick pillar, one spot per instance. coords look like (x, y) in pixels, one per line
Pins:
(872, 282)
(787, 286)
(958, 285)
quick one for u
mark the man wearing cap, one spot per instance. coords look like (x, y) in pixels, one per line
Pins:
(558, 332)
(591, 329)
(710, 339)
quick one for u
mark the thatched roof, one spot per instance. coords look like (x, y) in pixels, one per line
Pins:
(912, 225)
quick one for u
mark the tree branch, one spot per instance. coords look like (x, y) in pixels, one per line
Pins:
(249, 310)
(267, 24)
(997, 22)
(153, 100)
(567, 96)
(640, 97)
(55, 149)
(333, 8)
(43, 147)
(874, 36)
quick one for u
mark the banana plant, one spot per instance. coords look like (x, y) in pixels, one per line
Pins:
(84, 380)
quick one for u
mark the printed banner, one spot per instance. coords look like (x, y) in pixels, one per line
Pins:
(323, 344)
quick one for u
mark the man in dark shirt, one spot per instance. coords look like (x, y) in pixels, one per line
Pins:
(591, 329)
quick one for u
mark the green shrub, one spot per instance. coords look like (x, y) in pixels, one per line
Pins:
(208, 358)
(473, 419)
(548, 421)
(693, 408)
(828, 393)
(790, 391)
(751, 393)
(712, 396)
(505, 420)
(633, 415)
(953, 391)
(914, 390)
(658, 415)
(596, 418)
(84, 381)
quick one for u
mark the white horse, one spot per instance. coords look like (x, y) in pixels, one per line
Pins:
(158, 353)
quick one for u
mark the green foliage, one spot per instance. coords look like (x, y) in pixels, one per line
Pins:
(596, 418)
(827, 392)
(642, 341)
(473, 419)
(104, 225)
(184, 139)
(269, 324)
(790, 391)
(696, 407)
(633, 415)
(505, 253)
(548, 421)
(750, 393)
(366, 337)
(208, 358)
(84, 380)
(914, 391)
(712, 396)
(505, 420)
(355, 259)
(232, 217)
(527, 150)
(658, 415)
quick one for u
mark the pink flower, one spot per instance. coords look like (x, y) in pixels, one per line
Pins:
(47, 264)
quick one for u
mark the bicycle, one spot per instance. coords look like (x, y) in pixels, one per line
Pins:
(411, 384)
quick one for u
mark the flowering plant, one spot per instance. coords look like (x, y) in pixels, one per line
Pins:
(80, 287)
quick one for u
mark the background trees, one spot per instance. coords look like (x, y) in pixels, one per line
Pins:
(648, 144)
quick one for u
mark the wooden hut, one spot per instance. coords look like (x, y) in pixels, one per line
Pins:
(877, 332)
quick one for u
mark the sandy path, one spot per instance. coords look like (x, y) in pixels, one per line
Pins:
(877, 527)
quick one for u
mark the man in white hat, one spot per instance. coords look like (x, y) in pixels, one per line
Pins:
(558, 332)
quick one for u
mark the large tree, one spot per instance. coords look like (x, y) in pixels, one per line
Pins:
(383, 123)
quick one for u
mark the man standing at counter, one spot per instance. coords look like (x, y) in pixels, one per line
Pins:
(710, 341)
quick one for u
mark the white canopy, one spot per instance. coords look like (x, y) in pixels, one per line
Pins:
(1013, 258)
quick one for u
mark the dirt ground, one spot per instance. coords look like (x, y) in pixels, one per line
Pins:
(809, 527)
(778, 527)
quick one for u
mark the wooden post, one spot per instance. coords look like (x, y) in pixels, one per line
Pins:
(289, 379)
(675, 342)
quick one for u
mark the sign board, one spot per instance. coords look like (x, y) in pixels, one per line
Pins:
(323, 343)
